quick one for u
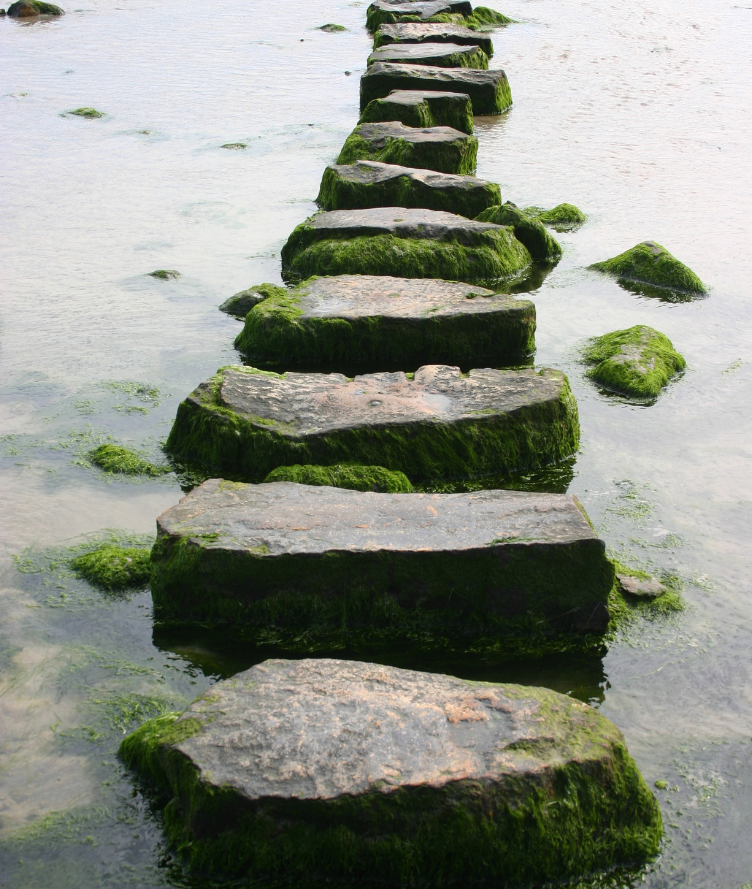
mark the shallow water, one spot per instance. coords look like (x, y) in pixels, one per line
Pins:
(637, 112)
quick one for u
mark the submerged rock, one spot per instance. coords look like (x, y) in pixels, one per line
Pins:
(121, 461)
(331, 28)
(403, 242)
(367, 184)
(241, 303)
(649, 263)
(642, 587)
(88, 113)
(325, 770)
(114, 567)
(420, 32)
(542, 246)
(345, 475)
(22, 9)
(382, 12)
(639, 361)
(443, 55)
(437, 425)
(235, 146)
(433, 148)
(388, 322)
(164, 274)
(561, 218)
(488, 90)
(416, 108)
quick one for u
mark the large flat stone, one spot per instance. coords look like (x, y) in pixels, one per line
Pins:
(410, 243)
(427, 32)
(488, 90)
(387, 323)
(367, 184)
(432, 148)
(422, 108)
(322, 769)
(382, 12)
(438, 425)
(443, 55)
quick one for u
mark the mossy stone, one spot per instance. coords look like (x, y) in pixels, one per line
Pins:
(88, 113)
(419, 32)
(352, 476)
(121, 461)
(28, 8)
(430, 148)
(489, 91)
(382, 12)
(443, 55)
(241, 303)
(541, 245)
(561, 218)
(639, 361)
(235, 146)
(331, 28)
(649, 263)
(164, 274)
(114, 567)
(366, 184)
(422, 108)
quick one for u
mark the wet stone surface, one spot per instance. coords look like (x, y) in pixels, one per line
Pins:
(422, 108)
(429, 32)
(390, 10)
(444, 55)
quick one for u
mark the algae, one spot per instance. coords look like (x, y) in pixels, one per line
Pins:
(118, 460)
(625, 610)
(650, 263)
(331, 28)
(542, 246)
(453, 110)
(345, 475)
(561, 218)
(235, 146)
(240, 304)
(88, 113)
(114, 567)
(164, 274)
(457, 156)
(637, 362)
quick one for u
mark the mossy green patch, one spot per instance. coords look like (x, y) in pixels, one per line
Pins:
(625, 610)
(331, 28)
(542, 246)
(638, 361)
(345, 475)
(114, 567)
(88, 113)
(649, 263)
(118, 460)
(240, 304)
(561, 218)
(164, 274)
(458, 155)
(442, 110)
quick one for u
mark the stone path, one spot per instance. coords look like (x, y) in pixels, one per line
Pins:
(419, 32)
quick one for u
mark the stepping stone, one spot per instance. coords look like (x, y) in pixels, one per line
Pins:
(416, 108)
(649, 263)
(292, 555)
(404, 242)
(420, 32)
(531, 232)
(435, 424)
(321, 770)
(387, 323)
(382, 12)
(488, 90)
(433, 148)
(367, 184)
(444, 55)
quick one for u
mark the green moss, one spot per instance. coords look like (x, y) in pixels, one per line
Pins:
(240, 304)
(114, 567)
(164, 274)
(563, 217)
(89, 113)
(119, 460)
(624, 610)
(542, 246)
(458, 156)
(649, 263)
(331, 28)
(639, 361)
(454, 111)
(141, 750)
(345, 475)
(459, 59)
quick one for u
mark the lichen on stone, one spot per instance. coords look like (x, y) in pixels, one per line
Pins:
(638, 361)
(650, 263)
(345, 475)
(119, 460)
(542, 246)
(113, 567)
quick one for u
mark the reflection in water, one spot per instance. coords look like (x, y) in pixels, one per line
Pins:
(667, 296)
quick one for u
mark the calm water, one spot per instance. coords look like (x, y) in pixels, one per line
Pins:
(637, 112)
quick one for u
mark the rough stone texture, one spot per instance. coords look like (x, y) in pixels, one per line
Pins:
(541, 245)
(241, 303)
(442, 55)
(416, 108)
(302, 556)
(643, 588)
(437, 425)
(649, 263)
(366, 184)
(327, 769)
(410, 243)
(419, 32)
(27, 8)
(561, 218)
(434, 148)
(389, 11)
(385, 322)
(488, 90)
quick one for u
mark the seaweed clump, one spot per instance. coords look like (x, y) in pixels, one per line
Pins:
(88, 113)
(114, 567)
(649, 263)
(561, 218)
(638, 361)
(345, 475)
(121, 461)
(542, 246)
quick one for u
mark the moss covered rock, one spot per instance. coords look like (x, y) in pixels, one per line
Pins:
(403, 242)
(86, 112)
(331, 28)
(164, 274)
(114, 567)
(561, 218)
(345, 475)
(241, 303)
(22, 9)
(649, 263)
(422, 108)
(437, 425)
(443, 55)
(488, 90)
(542, 246)
(366, 184)
(386, 322)
(325, 770)
(382, 12)
(121, 461)
(420, 32)
(431, 148)
(639, 361)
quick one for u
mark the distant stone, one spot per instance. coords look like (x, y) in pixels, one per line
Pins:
(388, 323)
(643, 588)
(403, 242)
(235, 146)
(22, 9)
(241, 303)
(419, 32)
(639, 361)
(89, 113)
(367, 184)
(382, 12)
(562, 218)
(436, 425)
(416, 108)
(164, 274)
(331, 28)
(443, 55)
(120, 461)
(649, 263)
(345, 475)
(488, 90)
(433, 148)
(542, 246)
